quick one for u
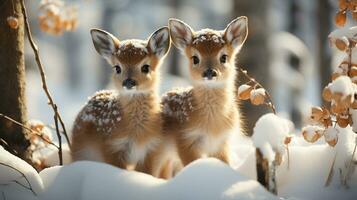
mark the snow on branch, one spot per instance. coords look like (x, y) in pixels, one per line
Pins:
(335, 122)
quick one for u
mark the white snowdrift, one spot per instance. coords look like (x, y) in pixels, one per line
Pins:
(11, 179)
(203, 179)
(308, 170)
(270, 132)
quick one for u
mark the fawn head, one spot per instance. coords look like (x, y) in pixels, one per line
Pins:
(211, 53)
(135, 62)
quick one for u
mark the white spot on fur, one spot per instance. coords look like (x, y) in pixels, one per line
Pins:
(178, 103)
(103, 110)
(208, 35)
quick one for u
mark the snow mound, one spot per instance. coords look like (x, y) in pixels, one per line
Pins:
(270, 132)
(13, 183)
(203, 179)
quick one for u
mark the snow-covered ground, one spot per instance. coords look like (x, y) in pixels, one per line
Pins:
(203, 179)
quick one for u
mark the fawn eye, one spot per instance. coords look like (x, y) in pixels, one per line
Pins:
(117, 69)
(223, 58)
(195, 60)
(145, 69)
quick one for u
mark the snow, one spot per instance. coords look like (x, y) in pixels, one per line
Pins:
(243, 88)
(203, 179)
(306, 176)
(312, 133)
(343, 34)
(256, 92)
(343, 85)
(269, 135)
(344, 150)
(10, 168)
(208, 35)
(331, 135)
(353, 113)
(51, 156)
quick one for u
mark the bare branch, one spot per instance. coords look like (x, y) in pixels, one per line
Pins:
(57, 116)
(270, 103)
(4, 143)
(23, 175)
(59, 141)
(29, 129)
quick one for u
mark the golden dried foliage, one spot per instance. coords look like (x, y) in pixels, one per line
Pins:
(55, 17)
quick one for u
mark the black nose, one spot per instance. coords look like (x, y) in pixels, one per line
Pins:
(209, 73)
(129, 83)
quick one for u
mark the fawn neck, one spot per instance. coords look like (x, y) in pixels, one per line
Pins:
(140, 107)
(216, 99)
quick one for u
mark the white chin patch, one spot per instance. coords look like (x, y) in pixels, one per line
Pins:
(214, 83)
(132, 91)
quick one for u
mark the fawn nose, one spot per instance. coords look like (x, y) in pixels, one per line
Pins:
(209, 73)
(129, 83)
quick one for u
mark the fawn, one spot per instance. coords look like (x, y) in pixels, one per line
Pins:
(201, 118)
(122, 127)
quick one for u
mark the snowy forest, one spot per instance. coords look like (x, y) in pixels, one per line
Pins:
(178, 99)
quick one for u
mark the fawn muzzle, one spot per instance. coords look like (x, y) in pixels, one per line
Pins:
(129, 83)
(209, 74)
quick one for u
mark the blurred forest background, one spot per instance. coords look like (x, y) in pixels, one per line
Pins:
(287, 50)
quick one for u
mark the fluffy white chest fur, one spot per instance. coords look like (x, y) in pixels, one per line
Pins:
(207, 143)
(134, 153)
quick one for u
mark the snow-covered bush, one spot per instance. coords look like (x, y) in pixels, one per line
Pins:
(335, 122)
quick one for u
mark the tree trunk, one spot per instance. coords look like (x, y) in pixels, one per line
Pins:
(254, 55)
(12, 80)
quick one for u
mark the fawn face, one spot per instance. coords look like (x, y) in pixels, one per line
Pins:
(135, 62)
(211, 53)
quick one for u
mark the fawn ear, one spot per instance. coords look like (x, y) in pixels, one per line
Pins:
(181, 33)
(105, 43)
(159, 42)
(236, 32)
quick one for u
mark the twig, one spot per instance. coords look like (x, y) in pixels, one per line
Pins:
(350, 164)
(35, 49)
(29, 129)
(329, 177)
(288, 152)
(13, 151)
(270, 103)
(23, 175)
(59, 141)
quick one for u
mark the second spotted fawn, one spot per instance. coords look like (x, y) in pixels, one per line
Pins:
(122, 127)
(201, 118)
